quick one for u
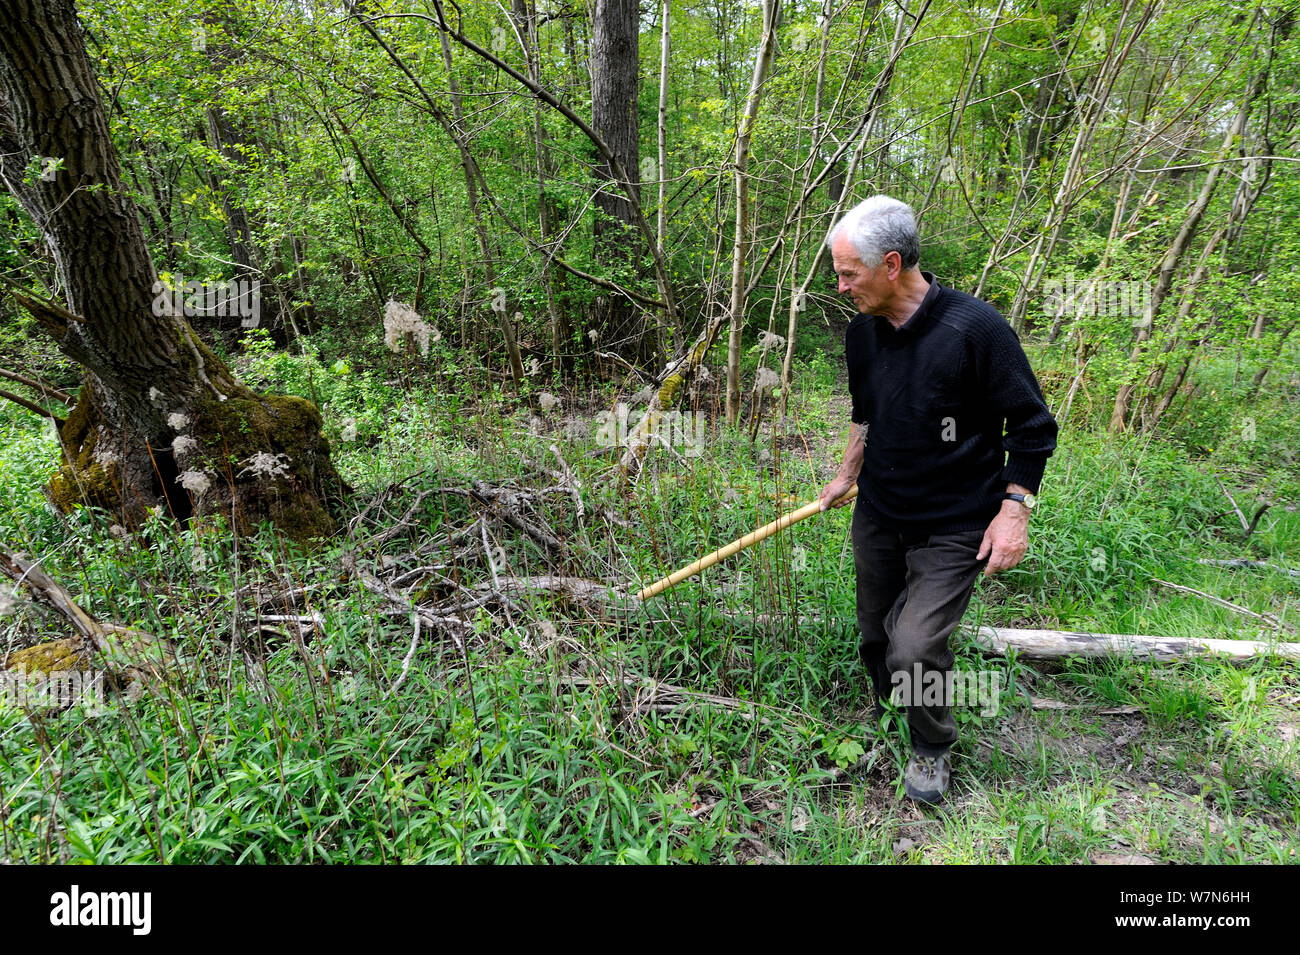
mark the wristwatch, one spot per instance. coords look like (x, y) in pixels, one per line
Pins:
(1028, 500)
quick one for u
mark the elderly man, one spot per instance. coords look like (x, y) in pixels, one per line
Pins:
(949, 438)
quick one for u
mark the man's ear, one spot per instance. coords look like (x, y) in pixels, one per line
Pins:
(893, 264)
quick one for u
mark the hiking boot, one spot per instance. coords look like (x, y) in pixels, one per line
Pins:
(926, 777)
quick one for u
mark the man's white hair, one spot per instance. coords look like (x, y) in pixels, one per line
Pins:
(879, 225)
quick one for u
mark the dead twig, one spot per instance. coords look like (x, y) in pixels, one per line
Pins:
(453, 627)
(403, 523)
(406, 660)
(1266, 617)
(1240, 516)
(1247, 562)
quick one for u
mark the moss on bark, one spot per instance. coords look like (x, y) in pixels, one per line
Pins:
(82, 478)
(296, 497)
(56, 656)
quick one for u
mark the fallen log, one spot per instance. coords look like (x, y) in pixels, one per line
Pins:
(1058, 644)
(128, 655)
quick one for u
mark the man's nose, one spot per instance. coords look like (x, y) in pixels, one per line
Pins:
(842, 286)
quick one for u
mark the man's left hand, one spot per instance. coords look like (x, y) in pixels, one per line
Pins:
(1007, 538)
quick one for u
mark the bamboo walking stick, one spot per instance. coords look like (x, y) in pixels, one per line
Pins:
(736, 546)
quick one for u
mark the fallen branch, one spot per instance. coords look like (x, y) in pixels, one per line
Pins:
(1058, 644)
(32, 407)
(1247, 562)
(45, 590)
(43, 387)
(579, 588)
(1237, 510)
(403, 523)
(1254, 521)
(452, 626)
(379, 498)
(406, 660)
(505, 505)
(127, 654)
(1268, 618)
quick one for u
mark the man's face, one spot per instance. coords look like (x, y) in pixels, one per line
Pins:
(869, 288)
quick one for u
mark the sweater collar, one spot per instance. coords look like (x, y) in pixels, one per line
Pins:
(921, 317)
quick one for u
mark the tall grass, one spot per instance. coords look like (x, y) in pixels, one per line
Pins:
(716, 723)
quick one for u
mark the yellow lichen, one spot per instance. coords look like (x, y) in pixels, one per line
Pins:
(55, 656)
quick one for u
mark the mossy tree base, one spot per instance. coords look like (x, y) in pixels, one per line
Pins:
(263, 458)
(287, 429)
(160, 421)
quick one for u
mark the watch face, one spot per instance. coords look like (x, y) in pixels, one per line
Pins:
(1031, 501)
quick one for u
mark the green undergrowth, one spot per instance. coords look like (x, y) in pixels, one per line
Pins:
(725, 721)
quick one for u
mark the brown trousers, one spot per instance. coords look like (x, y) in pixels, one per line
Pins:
(912, 590)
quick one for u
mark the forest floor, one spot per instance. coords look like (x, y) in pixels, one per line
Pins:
(458, 674)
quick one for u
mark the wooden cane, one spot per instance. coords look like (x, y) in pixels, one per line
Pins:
(736, 546)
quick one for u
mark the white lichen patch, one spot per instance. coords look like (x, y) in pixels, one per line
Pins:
(196, 482)
(263, 464)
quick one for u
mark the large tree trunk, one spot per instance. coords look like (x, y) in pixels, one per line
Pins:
(149, 380)
(614, 78)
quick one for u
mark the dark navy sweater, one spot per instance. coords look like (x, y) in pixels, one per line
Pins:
(953, 410)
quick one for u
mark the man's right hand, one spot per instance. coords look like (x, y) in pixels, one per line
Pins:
(830, 496)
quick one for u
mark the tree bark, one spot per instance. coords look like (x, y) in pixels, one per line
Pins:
(614, 81)
(149, 380)
(665, 51)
